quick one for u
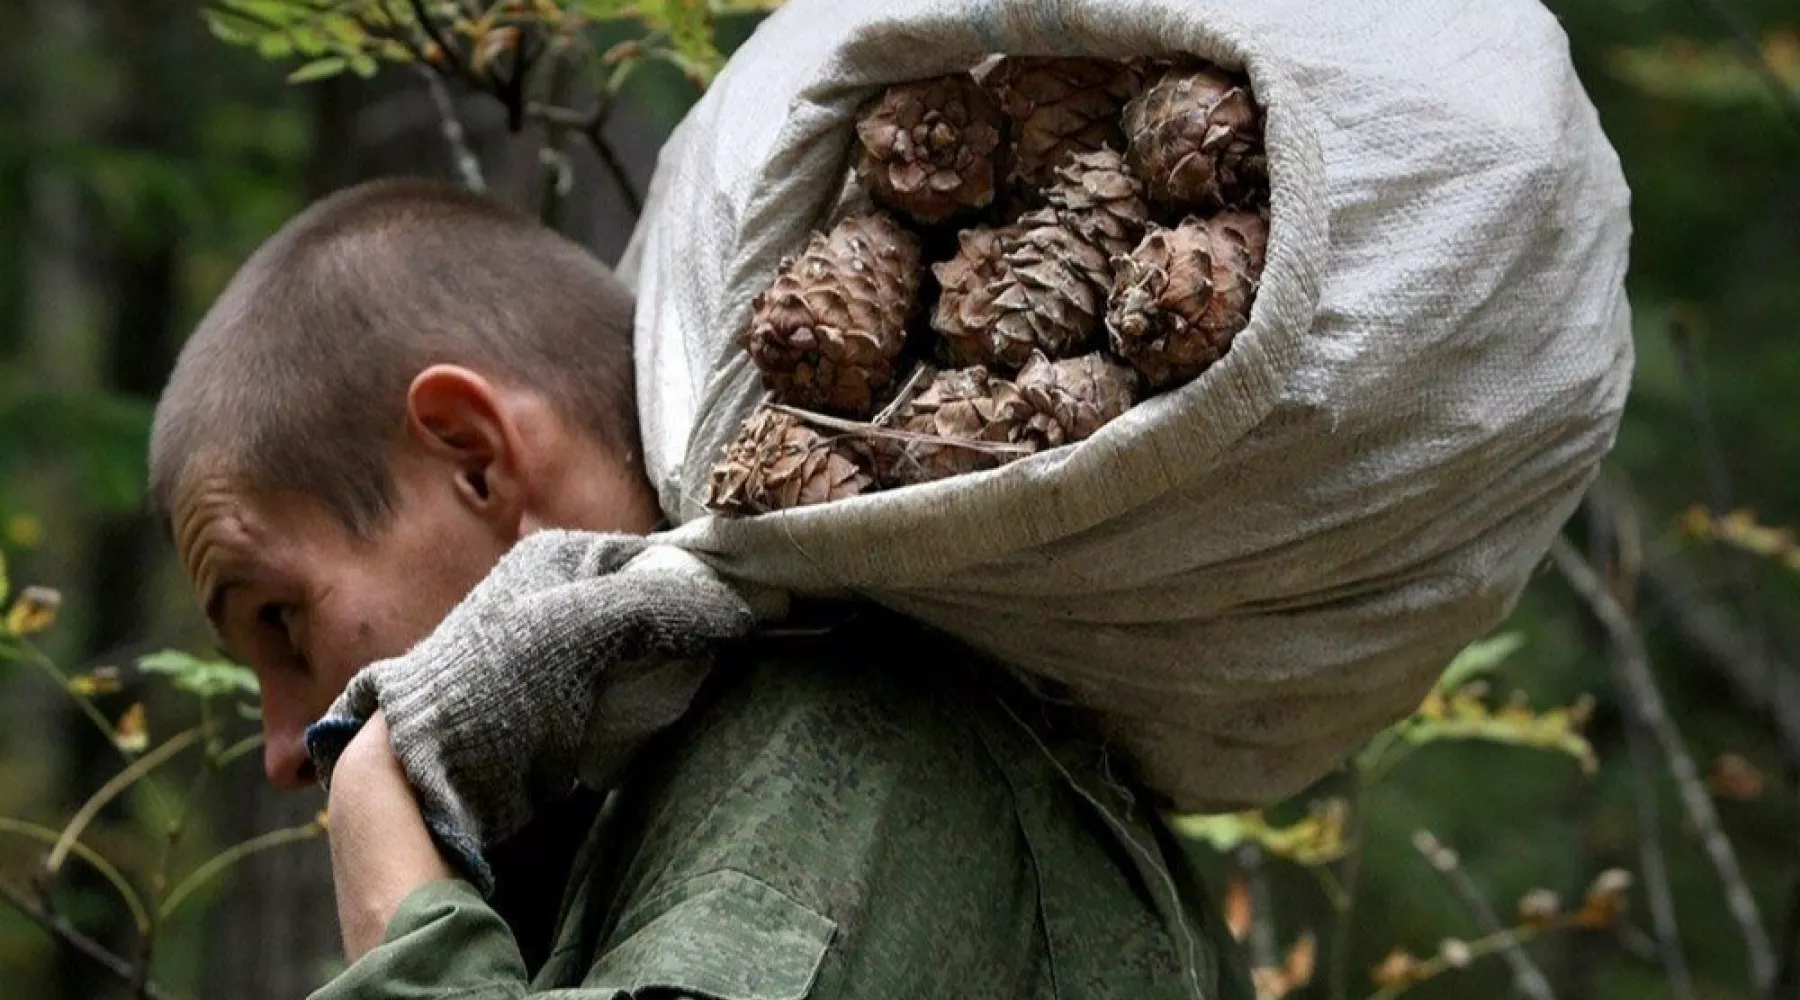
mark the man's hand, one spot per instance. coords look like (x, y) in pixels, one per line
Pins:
(380, 850)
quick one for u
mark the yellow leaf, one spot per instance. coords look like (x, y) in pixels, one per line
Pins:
(493, 45)
(1239, 907)
(1302, 959)
(1605, 900)
(99, 681)
(132, 733)
(1731, 776)
(322, 820)
(1740, 529)
(33, 611)
(1397, 969)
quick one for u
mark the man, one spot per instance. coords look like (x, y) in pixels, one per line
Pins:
(393, 392)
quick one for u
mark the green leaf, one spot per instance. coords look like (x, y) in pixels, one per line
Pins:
(311, 42)
(1225, 832)
(319, 69)
(363, 65)
(5, 584)
(1483, 657)
(600, 10)
(231, 28)
(205, 678)
(1318, 839)
(1557, 730)
(689, 25)
(274, 46)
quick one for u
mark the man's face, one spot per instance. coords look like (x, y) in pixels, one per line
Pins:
(305, 604)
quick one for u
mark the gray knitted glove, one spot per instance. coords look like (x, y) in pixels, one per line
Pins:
(575, 649)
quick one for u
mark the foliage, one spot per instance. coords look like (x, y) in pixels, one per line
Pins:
(1326, 841)
(153, 896)
(493, 46)
(1740, 530)
(203, 678)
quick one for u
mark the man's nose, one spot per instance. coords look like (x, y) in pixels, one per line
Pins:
(285, 761)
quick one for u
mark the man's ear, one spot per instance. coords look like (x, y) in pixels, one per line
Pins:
(463, 421)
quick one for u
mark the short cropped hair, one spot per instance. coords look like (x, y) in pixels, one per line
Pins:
(296, 380)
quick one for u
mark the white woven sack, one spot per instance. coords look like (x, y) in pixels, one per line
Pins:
(1249, 576)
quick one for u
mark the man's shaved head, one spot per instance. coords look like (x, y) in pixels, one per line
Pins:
(296, 381)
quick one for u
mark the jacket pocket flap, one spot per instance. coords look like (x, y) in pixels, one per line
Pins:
(722, 936)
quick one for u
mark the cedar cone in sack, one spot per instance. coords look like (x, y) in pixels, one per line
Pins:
(777, 462)
(1035, 285)
(1072, 399)
(931, 149)
(1059, 107)
(963, 405)
(827, 332)
(1180, 297)
(1196, 140)
(1101, 201)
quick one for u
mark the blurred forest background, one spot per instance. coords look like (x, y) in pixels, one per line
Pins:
(143, 159)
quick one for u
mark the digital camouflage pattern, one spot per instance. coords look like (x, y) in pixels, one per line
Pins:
(848, 816)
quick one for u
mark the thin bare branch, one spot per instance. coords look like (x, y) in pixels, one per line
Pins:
(1526, 975)
(429, 26)
(109, 791)
(1644, 699)
(462, 155)
(140, 917)
(615, 168)
(234, 854)
(1617, 542)
(1261, 939)
(1771, 675)
(1348, 887)
(66, 934)
(592, 126)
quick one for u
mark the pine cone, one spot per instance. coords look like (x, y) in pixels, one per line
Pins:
(1101, 201)
(1180, 297)
(1196, 140)
(1060, 107)
(826, 334)
(777, 462)
(1032, 286)
(1072, 399)
(931, 148)
(963, 405)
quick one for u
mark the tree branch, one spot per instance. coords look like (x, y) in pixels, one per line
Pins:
(66, 934)
(462, 155)
(592, 127)
(1643, 699)
(430, 28)
(1724, 646)
(1261, 939)
(1526, 974)
(1617, 543)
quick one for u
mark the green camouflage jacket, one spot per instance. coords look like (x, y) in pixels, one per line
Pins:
(826, 828)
